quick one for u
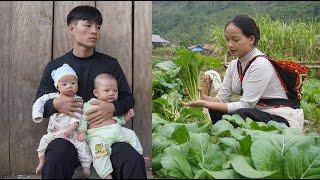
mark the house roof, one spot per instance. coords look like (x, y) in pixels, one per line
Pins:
(158, 39)
(197, 49)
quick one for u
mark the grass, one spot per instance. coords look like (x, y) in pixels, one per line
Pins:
(298, 41)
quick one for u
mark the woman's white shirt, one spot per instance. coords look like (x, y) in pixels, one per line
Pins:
(260, 81)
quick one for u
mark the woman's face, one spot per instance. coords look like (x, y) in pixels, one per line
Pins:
(238, 44)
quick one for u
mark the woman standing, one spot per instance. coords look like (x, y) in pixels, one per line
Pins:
(256, 83)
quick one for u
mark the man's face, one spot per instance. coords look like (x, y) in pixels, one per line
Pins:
(86, 33)
(106, 90)
(68, 85)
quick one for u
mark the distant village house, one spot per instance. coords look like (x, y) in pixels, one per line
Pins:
(207, 49)
(158, 41)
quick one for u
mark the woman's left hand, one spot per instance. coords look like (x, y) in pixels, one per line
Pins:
(197, 103)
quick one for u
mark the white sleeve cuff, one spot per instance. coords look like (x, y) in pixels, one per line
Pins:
(233, 106)
(37, 119)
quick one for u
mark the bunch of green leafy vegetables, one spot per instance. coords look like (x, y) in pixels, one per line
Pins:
(164, 79)
(168, 107)
(191, 64)
(310, 102)
(233, 148)
(167, 90)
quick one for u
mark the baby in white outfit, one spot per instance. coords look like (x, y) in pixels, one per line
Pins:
(61, 125)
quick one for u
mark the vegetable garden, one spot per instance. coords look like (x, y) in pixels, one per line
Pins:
(186, 145)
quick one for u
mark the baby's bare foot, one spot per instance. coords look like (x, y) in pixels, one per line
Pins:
(86, 172)
(108, 177)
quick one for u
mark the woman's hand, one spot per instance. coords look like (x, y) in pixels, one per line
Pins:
(101, 111)
(202, 95)
(197, 103)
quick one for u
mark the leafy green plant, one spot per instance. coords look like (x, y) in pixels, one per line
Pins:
(168, 107)
(191, 65)
(164, 78)
(310, 102)
(233, 148)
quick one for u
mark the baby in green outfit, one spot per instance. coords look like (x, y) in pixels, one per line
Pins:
(100, 137)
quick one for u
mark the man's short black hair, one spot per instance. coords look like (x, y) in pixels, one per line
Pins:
(84, 13)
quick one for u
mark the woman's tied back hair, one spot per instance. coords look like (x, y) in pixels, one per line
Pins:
(247, 25)
(84, 13)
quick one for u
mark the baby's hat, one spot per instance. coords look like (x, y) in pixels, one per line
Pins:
(64, 70)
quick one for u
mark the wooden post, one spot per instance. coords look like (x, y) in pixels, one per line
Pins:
(5, 16)
(142, 76)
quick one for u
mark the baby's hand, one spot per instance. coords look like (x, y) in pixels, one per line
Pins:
(81, 136)
(129, 115)
(67, 134)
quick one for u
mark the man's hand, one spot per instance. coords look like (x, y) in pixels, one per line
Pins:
(68, 105)
(101, 111)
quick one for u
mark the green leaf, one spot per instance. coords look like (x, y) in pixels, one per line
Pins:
(201, 150)
(303, 162)
(156, 163)
(230, 145)
(192, 127)
(157, 121)
(259, 125)
(201, 174)
(267, 157)
(221, 126)
(195, 114)
(236, 119)
(238, 133)
(245, 144)
(241, 166)
(191, 65)
(223, 174)
(277, 125)
(167, 65)
(206, 128)
(167, 129)
(159, 143)
(317, 141)
(317, 98)
(180, 135)
(176, 164)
